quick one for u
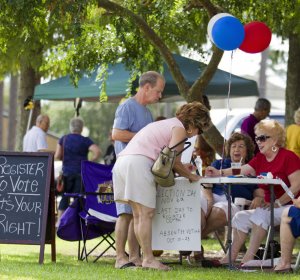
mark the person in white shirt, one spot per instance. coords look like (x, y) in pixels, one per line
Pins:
(35, 138)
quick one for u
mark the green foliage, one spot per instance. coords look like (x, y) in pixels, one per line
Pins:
(279, 15)
(107, 37)
(54, 37)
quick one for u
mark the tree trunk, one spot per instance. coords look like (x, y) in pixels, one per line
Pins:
(262, 74)
(292, 92)
(214, 139)
(190, 94)
(1, 113)
(12, 117)
(27, 84)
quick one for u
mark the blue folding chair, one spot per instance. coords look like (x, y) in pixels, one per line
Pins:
(99, 210)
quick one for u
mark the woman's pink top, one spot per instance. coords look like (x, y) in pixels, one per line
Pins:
(152, 138)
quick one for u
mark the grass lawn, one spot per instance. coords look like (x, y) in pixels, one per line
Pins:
(21, 262)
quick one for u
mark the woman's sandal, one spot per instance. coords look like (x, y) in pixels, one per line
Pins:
(284, 271)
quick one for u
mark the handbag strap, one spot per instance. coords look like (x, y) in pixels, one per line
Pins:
(178, 143)
(188, 144)
(63, 149)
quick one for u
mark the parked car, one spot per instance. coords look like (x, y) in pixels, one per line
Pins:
(231, 121)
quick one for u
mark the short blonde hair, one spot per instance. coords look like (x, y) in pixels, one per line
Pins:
(272, 128)
(297, 116)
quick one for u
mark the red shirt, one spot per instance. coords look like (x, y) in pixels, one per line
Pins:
(284, 164)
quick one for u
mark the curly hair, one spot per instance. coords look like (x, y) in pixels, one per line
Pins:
(194, 114)
(247, 140)
(272, 128)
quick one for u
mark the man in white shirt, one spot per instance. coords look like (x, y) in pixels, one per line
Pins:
(35, 138)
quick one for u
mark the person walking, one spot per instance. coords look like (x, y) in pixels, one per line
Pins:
(35, 139)
(72, 149)
(131, 116)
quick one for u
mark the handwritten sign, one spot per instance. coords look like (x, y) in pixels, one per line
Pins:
(176, 225)
(24, 197)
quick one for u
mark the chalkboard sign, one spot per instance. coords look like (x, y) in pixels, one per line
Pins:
(24, 197)
(176, 224)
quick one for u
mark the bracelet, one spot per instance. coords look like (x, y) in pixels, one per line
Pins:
(277, 201)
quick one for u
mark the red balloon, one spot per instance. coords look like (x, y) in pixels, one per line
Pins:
(257, 37)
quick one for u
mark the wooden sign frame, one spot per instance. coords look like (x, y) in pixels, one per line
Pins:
(46, 226)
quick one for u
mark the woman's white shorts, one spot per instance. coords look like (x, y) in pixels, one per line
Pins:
(133, 180)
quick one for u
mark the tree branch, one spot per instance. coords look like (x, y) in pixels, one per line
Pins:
(209, 7)
(202, 82)
(154, 39)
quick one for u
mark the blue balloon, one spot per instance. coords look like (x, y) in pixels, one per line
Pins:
(228, 33)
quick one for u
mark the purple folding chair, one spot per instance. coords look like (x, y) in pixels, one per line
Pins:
(99, 210)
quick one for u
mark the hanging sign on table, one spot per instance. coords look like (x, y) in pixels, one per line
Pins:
(176, 224)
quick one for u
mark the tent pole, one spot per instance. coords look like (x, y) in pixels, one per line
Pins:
(77, 105)
(29, 119)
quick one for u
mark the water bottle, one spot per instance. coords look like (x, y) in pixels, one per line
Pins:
(198, 162)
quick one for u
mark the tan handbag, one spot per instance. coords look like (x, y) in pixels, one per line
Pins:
(162, 169)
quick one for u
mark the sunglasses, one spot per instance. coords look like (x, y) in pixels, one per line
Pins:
(262, 138)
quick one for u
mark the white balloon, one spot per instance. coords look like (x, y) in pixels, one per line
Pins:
(213, 21)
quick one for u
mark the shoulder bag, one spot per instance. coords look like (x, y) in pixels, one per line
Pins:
(162, 169)
(60, 178)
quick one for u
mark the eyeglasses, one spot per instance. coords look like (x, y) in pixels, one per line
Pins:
(262, 138)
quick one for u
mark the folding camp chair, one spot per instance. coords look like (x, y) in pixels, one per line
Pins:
(99, 211)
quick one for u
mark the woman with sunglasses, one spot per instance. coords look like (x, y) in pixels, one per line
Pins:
(283, 164)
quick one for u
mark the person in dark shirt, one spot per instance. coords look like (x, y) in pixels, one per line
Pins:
(261, 111)
(72, 149)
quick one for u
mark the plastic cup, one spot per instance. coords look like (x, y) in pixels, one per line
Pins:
(236, 168)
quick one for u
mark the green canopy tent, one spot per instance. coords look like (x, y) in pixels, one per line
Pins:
(89, 87)
(118, 81)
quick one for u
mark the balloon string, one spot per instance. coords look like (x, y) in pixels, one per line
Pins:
(227, 111)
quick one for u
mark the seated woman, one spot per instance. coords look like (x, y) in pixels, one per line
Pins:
(283, 164)
(289, 231)
(214, 205)
(239, 148)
